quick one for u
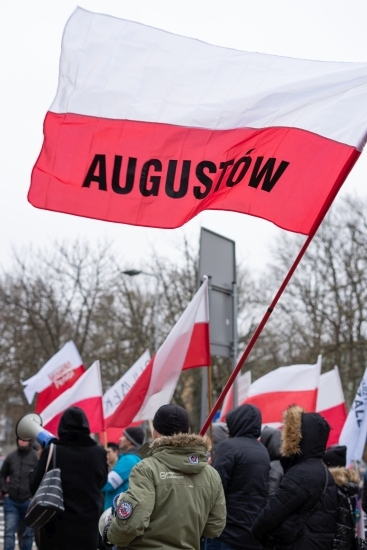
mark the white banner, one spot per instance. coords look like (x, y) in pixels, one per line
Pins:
(355, 428)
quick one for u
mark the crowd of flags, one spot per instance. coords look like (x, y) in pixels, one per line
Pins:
(292, 145)
(64, 382)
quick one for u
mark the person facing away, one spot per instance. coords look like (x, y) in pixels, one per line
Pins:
(271, 439)
(174, 496)
(243, 464)
(347, 482)
(14, 485)
(118, 478)
(301, 513)
(83, 466)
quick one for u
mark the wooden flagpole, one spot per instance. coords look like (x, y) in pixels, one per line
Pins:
(210, 404)
(339, 182)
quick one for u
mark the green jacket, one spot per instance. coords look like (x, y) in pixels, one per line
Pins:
(174, 498)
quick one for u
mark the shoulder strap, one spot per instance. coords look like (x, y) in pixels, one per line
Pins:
(326, 481)
(314, 508)
(50, 456)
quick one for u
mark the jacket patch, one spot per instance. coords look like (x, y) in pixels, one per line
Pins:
(170, 475)
(124, 510)
(193, 459)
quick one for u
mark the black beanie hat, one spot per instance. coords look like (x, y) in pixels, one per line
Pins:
(135, 435)
(171, 419)
(335, 456)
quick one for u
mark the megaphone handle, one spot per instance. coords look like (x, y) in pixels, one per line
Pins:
(50, 456)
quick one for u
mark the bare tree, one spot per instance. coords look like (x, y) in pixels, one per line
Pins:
(324, 308)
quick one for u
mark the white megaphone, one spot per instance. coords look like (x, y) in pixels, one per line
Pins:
(30, 427)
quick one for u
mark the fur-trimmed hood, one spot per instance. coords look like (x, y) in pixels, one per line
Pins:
(182, 440)
(304, 435)
(344, 476)
(186, 453)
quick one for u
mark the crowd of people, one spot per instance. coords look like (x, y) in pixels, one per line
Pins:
(252, 488)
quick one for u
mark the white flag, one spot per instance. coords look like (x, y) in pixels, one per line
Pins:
(115, 395)
(354, 431)
(56, 376)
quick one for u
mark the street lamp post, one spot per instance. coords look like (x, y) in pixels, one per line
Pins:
(133, 273)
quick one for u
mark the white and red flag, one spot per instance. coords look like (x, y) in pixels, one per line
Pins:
(243, 386)
(354, 432)
(186, 346)
(150, 128)
(55, 377)
(283, 387)
(114, 397)
(86, 393)
(331, 403)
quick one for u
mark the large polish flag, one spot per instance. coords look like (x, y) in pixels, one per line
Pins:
(55, 377)
(243, 387)
(331, 403)
(354, 432)
(86, 393)
(151, 128)
(186, 346)
(114, 397)
(284, 387)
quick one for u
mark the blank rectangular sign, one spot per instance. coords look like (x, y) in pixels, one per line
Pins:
(217, 260)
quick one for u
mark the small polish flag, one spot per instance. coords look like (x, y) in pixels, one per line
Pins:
(114, 397)
(56, 376)
(331, 403)
(86, 393)
(186, 346)
(243, 386)
(283, 387)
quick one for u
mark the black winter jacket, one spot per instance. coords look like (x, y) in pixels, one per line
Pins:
(347, 482)
(298, 517)
(271, 438)
(83, 466)
(17, 467)
(243, 464)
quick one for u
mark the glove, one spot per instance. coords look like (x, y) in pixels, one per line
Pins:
(103, 525)
(104, 534)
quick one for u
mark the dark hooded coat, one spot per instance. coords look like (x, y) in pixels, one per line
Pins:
(83, 466)
(243, 464)
(347, 482)
(301, 513)
(271, 439)
(15, 471)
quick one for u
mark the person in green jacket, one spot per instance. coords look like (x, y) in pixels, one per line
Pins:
(174, 497)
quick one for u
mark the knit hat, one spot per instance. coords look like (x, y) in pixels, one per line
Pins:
(171, 419)
(335, 456)
(135, 435)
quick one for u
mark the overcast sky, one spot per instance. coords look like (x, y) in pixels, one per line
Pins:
(30, 40)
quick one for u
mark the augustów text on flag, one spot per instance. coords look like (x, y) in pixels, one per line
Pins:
(150, 128)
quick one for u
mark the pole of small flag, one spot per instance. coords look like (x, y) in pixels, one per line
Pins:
(210, 404)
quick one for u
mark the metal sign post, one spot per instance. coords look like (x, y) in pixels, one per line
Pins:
(217, 260)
